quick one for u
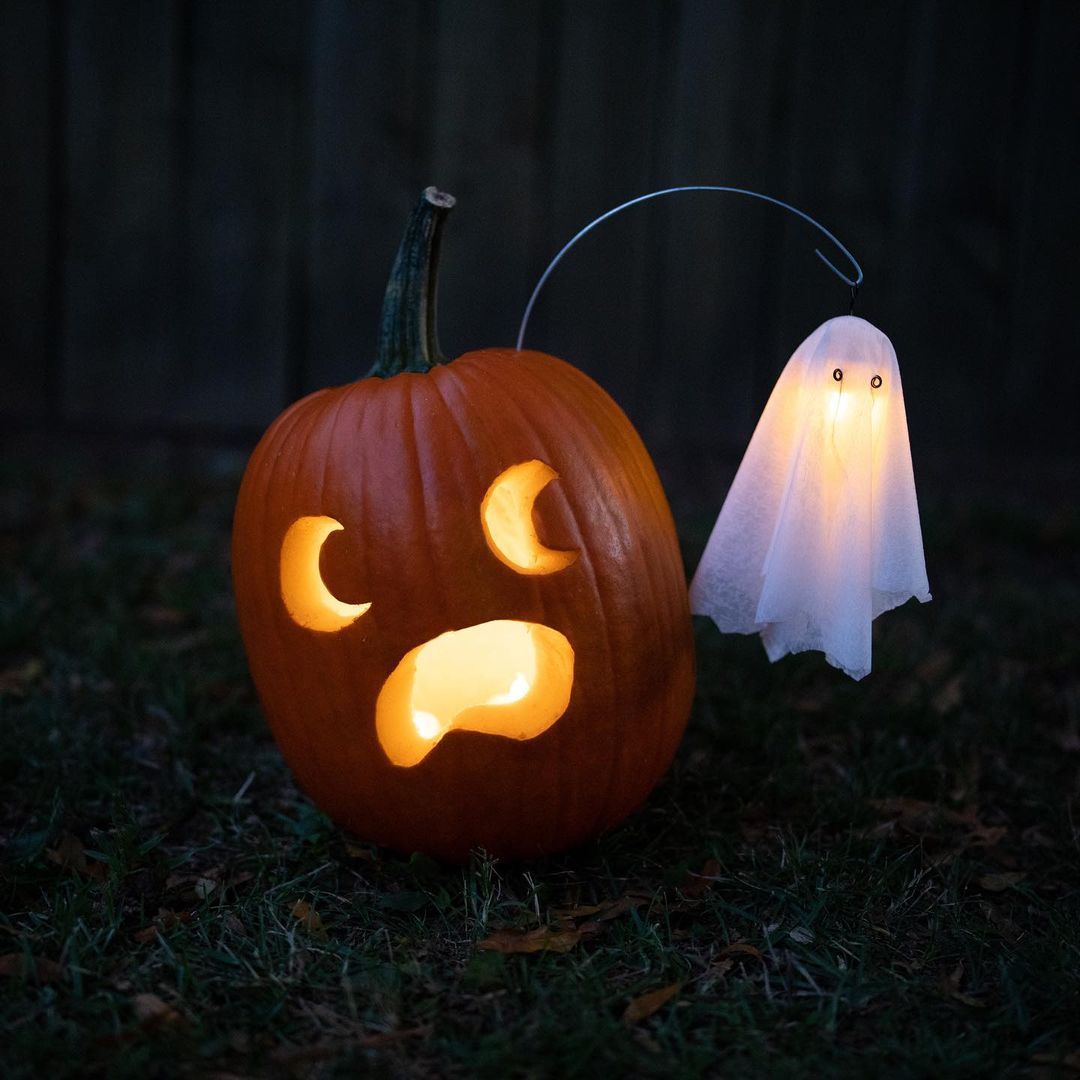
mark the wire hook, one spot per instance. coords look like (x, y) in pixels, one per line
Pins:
(852, 283)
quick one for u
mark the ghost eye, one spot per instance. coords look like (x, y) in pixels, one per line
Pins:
(837, 374)
(507, 517)
(875, 382)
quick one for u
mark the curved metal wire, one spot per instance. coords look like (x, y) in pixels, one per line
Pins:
(852, 283)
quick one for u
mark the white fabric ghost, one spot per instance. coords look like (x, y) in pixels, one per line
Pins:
(820, 533)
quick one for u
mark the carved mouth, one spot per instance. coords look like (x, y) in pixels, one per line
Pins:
(503, 677)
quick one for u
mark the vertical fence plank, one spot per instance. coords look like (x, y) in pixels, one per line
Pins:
(371, 71)
(601, 308)
(248, 91)
(721, 277)
(485, 116)
(118, 349)
(26, 116)
(1038, 372)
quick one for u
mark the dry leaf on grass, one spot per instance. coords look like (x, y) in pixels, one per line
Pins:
(18, 679)
(950, 987)
(151, 1011)
(741, 948)
(605, 910)
(1000, 882)
(294, 1057)
(697, 885)
(359, 851)
(542, 939)
(70, 854)
(309, 918)
(949, 696)
(166, 920)
(1068, 1062)
(647, 1004)
(16, 965)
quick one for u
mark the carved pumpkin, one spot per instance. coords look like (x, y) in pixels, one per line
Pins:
(461, 594)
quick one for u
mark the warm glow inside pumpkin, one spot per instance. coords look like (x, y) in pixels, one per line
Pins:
(502, 677)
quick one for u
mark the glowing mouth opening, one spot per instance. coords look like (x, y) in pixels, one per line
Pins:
(503, 677)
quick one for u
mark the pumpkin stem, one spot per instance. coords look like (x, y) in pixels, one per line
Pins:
(407, 337)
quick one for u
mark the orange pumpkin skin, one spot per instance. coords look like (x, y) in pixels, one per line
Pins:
(404, 463)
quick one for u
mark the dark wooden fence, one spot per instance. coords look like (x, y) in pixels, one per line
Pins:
(201, 200)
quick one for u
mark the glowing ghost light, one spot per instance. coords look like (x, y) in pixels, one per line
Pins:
(820, 533)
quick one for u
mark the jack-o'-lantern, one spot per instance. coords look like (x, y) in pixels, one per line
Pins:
(460, 591)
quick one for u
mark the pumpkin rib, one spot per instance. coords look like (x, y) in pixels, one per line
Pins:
(442, 380)
(616, 765)
(630, 448)
(267, 461)
(322, 426)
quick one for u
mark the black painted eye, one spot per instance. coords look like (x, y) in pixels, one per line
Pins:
(837, 374)
(875, 382)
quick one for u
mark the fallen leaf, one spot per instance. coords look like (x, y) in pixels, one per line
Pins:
(166, 920)
(151, 1011)
(1002, 923)
(949, 696)
(1000, 882)
(309, 918)
(719, 969)
(233, 923)
(647, 1004)
(741, 948)
(801, 935)
(203, 887)
(17, 680)
(622, 906)
(604, 911)
(70, 854)
(19, 965)
(290, 1057)
(578, 911)
(697, 885)
(986, 835)
(950, 986)
(359, 851)
(1069, 1062)
(542, 939)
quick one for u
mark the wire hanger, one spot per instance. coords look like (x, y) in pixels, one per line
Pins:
(852, 283)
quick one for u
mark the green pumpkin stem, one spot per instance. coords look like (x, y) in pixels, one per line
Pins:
(407, 337)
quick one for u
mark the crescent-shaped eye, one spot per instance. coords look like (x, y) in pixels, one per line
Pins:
(506, 514)
(306, 597)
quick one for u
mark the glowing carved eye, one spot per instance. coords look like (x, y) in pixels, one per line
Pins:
(306, 597)
(506, 515)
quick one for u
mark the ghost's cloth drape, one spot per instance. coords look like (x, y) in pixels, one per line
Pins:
(820, 532)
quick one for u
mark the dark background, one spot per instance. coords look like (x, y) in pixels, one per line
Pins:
(200, 203)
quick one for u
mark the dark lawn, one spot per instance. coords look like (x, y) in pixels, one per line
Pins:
(834, 878)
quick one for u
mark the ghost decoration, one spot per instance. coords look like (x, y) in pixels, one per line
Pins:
(820, 532)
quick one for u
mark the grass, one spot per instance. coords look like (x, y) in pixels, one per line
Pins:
(834, 879)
